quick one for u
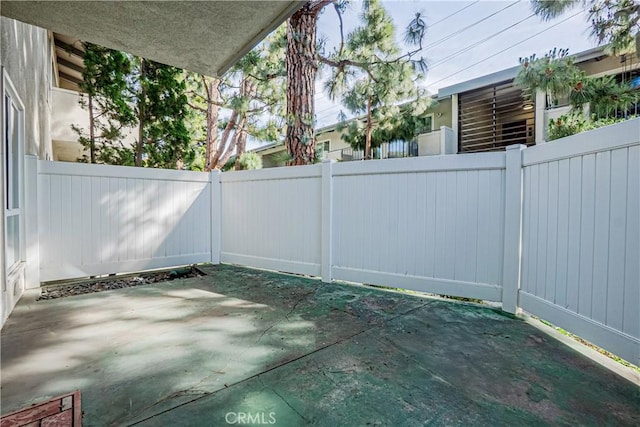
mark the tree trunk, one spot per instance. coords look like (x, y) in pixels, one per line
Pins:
(92, 133)
(141, 114)
(212, 123)
(223, 152)
(248, 90)
(301, 76)
(240, 140)
(367, 142)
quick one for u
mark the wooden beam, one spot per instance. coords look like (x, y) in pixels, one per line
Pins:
(70, 65)
(67, 77)
(69, 49)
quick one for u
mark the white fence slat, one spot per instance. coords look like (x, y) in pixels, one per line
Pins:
(87, 237)
(542, 214)
(551, 251)
(532, 255)
(473, 221)
(461, 233)
(450, 224)
(430, 248)
(562, 249)
(601, 236)
(632, 250)
(587, 225)
(617, 239)
(575, 203)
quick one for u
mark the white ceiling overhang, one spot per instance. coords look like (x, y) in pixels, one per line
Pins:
(207, 37)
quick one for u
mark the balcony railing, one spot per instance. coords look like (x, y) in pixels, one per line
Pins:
(438, 142)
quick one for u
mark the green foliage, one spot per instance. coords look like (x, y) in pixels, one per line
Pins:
(405, 124)
(283, 158)
(373, 78)
(557, 76)
(604, 95)
(566, 125)
(553, 74)
(250, 161)
(248, 102)
(108, 101)
(615, 22)
(571, 124)
(122, 91)
(162, 114)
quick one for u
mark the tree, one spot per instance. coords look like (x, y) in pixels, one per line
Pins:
(302, 68)
(612, 21)
(108, 101)
(253, 93)
(125, 91)
(410, 120)
(303, 58)
(558, 76)
(552, 74)
(372, 76)
(249, 161)
(161, 106)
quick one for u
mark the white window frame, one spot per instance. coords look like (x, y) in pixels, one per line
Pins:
(433, 122)
(321, 144)
(12, 272)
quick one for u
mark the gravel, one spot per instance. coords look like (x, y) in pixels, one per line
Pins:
(109, 283)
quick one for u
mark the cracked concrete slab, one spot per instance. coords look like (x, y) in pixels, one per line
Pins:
(241, 342)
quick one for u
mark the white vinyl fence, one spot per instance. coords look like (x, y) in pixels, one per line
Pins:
(581, 236)
(97, 219)
(425, 223)
(272, 219)
(552, 229)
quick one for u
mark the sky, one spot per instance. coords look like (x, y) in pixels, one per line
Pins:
(464, 39)
(493, 34)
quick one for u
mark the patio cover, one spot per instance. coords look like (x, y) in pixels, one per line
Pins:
(207, 37)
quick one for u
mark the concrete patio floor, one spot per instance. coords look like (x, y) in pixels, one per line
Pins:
(247, 345)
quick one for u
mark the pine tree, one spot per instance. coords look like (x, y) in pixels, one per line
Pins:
(615, 22)
(253, 95)
(373, 78)
(107, 99)
(302, 67)
(161, 104)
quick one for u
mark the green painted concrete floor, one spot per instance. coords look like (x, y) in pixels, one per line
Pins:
(241, 346)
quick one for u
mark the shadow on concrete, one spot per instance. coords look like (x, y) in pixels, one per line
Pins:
(241, 342)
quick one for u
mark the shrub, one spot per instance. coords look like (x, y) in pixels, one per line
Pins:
(566, 125)
(571, 124)
(250, 160)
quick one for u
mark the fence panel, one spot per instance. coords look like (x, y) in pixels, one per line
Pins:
(272, 218)
(581, 235)
(428, 224)
(97, 219)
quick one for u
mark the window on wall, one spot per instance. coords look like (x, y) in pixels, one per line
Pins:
(323, 148)
(12, 147)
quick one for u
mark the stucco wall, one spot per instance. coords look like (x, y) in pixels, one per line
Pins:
(441, 113)
(27, 59)
(335, 140)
